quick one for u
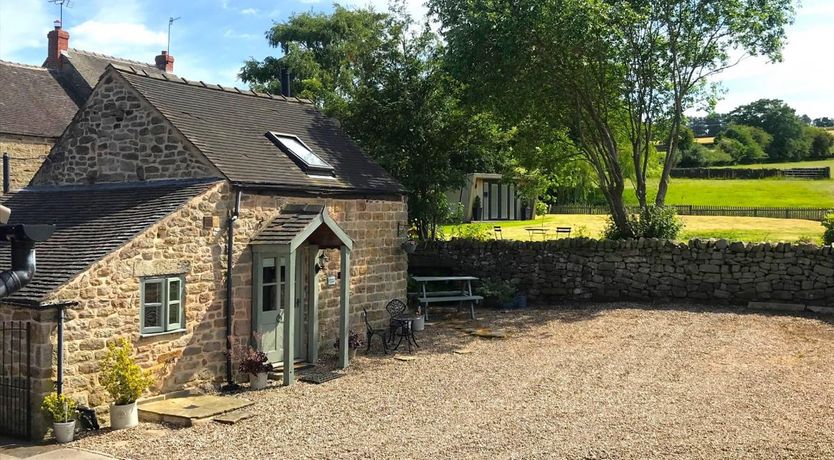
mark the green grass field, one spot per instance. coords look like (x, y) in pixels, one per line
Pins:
(795, 193)
(753, 229)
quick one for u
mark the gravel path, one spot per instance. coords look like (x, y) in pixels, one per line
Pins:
(604, 382)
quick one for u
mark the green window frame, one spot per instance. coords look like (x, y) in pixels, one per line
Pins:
(161, 307)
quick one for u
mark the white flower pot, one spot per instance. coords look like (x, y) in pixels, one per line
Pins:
(124, 416)
(258, 381)
(418, 324)
(64, 431)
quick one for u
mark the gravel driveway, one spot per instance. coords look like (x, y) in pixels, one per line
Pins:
(612, 381)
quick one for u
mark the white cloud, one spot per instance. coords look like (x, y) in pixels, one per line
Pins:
(249, 11)
(123, 39)
(23, 26)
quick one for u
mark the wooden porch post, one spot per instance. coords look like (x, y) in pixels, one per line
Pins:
(344, 318)
(313, 308)
(289, 322)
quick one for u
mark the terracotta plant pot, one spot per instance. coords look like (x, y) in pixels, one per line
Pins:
(258, 381)
(64, 431)
(123, 416)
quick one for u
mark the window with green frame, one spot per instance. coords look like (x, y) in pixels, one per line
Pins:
(161, 307)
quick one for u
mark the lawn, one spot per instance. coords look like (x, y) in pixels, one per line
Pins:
(794, 193)
(611, 381)
(732, 228)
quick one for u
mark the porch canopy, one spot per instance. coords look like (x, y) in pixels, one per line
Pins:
(293, 227)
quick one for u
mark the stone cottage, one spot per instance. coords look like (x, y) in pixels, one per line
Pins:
(191, 217)
(37, 103)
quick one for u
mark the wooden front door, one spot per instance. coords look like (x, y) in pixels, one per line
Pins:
(271, 300)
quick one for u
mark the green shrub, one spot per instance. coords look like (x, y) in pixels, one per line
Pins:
(121, 376)
(500, 290)
(477, 232)
(59, 407)
(828, 223)
(653, 222)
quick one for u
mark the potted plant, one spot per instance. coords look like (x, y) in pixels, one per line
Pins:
(125, 381)
(419, 324)
(499, 293)
(62, 411)
(354, 343)
(257, 365)
(476, 208)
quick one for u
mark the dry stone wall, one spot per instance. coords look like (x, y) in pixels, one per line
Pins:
(118, 137)
(706, 271)
(192, 242)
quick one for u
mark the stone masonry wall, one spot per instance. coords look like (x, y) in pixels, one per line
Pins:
(118, 137)
(192, 241)
(43, 326)
(26, 156)
(707, 271)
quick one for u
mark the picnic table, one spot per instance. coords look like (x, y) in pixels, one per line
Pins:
(543, 231)
(427, 297)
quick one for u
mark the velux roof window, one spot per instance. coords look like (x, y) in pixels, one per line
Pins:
(298, 151)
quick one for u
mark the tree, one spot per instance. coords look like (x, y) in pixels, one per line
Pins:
(608, 73)
(780, 121)
(821, 142)
(387, 86)
(824, 122)
(748, 143)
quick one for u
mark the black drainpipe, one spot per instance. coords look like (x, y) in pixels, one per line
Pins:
(230, 241)
(6, 173)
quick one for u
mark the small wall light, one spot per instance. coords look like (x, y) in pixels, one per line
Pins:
(322, 262)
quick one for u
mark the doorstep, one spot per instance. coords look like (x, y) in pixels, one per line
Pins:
(278, 369)
(189, 410)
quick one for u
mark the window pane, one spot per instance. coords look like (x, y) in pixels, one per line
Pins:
(174, 314)
(153, 316)
(174, 290)
(268, 271)
(283, 273)
(153, 292)
(268, 298)
(299, 150)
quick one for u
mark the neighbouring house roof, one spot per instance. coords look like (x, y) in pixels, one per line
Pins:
(91, 222)
(33, 101)
(90, 66)
(229, 127)
(298, 223)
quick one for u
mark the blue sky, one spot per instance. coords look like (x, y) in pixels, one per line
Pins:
(214, 37)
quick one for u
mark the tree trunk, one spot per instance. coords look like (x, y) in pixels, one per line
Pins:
(671, 150)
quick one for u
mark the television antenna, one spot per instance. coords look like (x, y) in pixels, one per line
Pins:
(170, 23)
(61, 4)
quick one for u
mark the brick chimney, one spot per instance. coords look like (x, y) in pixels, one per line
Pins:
(165, 62)
(58, 41)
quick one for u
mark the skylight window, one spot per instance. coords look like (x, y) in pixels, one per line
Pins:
(300, 153)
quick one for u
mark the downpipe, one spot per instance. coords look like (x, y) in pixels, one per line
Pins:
(22, 238)
(230, 244)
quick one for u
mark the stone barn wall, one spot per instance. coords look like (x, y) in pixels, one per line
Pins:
(26, 155)
(581, 269)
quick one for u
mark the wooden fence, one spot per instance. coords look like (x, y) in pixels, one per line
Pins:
(728, 211)
(749, 173)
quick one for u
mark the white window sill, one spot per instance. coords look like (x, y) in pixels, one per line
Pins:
(157, 334)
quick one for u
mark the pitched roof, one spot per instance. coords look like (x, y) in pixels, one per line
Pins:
(229, 127)
(32, 101)
(92, 65)
(282, 229)
(91, 222)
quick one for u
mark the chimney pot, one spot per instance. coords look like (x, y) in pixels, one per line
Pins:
(165, 62)
(58, 40)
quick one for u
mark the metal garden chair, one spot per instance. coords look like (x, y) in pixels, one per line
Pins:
(395, 308)
(370, 332)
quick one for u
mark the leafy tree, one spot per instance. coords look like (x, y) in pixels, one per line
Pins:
(821, 142)
(745, 144)
(780, 121)
(387, 86)
(607, 72)
(824, 122)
